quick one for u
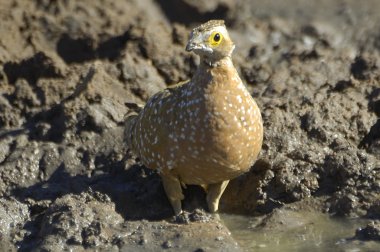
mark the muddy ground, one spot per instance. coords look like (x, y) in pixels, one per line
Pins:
(68, 67)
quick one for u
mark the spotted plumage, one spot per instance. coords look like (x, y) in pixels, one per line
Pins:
(205, 131)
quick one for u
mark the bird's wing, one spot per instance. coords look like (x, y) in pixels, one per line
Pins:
(181, 83)
(177, 86)
(148, 129)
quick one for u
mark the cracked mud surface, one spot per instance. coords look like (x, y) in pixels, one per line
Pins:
(68, 67)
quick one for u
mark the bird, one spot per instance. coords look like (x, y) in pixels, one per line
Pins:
(204, 131)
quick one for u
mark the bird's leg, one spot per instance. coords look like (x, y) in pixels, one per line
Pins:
(214, 192)
(173, 190)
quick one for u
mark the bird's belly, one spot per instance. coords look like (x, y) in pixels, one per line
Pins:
(223, 146)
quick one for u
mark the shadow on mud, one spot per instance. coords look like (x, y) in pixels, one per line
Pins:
(136, 196)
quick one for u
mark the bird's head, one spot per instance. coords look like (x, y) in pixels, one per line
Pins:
(211, 41)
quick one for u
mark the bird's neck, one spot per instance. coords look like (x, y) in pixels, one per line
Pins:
(206, 62)
(222, 74)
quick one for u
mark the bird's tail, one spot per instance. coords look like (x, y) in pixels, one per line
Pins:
(130, 122)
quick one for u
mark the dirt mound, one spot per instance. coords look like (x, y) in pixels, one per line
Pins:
(67, 68)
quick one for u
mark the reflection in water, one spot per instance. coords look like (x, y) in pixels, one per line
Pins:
(297, 231)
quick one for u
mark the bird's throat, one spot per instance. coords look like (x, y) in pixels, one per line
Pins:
(221, 74)
(212, 62)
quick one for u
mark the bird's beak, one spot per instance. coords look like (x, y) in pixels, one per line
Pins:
(190, 46)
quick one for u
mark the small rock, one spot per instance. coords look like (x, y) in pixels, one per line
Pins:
(219, 238)
(143, 241)
(370, 232)
(167, 245)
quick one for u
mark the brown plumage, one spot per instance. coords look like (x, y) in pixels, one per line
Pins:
(205, 131)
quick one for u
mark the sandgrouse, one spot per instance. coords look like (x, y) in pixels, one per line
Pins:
(205, 131)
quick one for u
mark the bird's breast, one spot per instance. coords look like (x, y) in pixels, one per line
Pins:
(219, 135)
(235, 125)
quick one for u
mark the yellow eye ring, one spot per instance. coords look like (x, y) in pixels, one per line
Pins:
(215, 39)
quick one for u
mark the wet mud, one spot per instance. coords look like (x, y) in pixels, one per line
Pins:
(68, 68)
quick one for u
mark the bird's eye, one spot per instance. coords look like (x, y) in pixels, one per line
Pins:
(215, 39)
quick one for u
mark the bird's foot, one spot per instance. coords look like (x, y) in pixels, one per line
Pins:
(181, 218)
(198, 215)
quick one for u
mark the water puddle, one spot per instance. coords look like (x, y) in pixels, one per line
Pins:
(297, 231)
